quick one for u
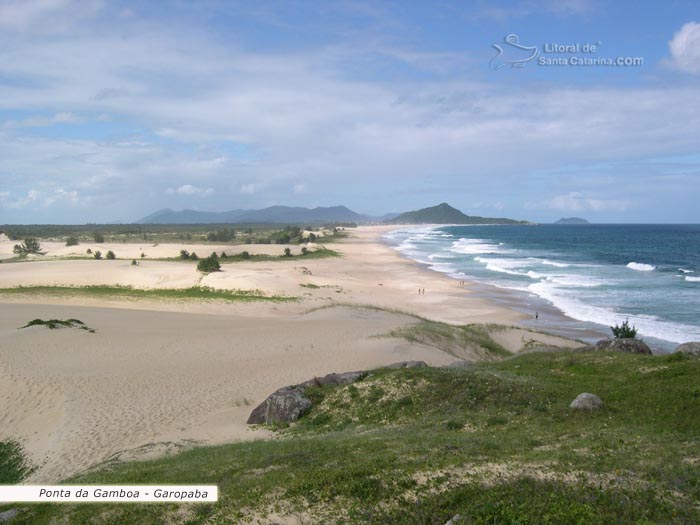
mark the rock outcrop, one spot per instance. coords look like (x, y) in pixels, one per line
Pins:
(289, 403)
(690, 349)
(620, 344)
(586, 401)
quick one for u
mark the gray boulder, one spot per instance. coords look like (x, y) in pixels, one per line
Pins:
(408, 364)
(618, 344)
(586, 401)
(8, 515)
(334, 379)
(282, 406)
(690, 349)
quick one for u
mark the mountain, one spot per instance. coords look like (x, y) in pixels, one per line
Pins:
(446, 214)
(273, 214)
(572, 220)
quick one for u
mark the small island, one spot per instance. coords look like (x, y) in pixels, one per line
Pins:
(572, 220)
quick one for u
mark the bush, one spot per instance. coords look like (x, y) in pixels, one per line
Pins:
(29, 245)
(110, 255)
(72, 241)
(304, 250)
(184, 254)
(624, 331)
(208, 265)
(194, 257)
(287, 252)
(88, 251)
(143, 255)
(223, 255)
(134, 263)
(245, 255)
(98, 237)
(14, 466)
(213, 255)
(97, 254)
(221, 235)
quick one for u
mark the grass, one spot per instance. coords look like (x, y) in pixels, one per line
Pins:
(495, 442)
(14, 466)
(459, 341)
(53, 324)
(194, 293)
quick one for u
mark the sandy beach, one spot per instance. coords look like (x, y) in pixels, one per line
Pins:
(157, 375)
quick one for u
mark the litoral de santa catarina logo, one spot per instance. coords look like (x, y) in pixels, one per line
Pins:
(513, 54)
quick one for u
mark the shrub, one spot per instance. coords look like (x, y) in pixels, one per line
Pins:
(223, 255)
(624, 331)
(29, 245)
(88, 251)
(194, 257)
(225, 235)
(97, 254)
(304, 250)
(98, 237)
(213, 255)
(245, 255)
(134, 263)
(184, 254)
(287, 252)
(72, 241)
(312, 237)
(110, 255)
(143, 255)
(14, 466)
(208, 265)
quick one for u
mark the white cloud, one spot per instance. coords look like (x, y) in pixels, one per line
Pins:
(299, 188)
(577, 201)
(36, 122)
(248, 189)
(188, 189)
(685, 48)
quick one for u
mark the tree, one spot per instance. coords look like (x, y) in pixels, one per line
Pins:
(110, 255)
(223, 255)
(97, 254)
(213, 255)
(98, 237)
(72, 241)
(29, 245)
(208, 265)
(624, 331)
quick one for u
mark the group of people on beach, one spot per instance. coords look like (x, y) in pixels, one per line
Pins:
(421, 291)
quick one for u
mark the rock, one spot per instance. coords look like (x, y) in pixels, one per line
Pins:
(689, 349)
(618, 344)
(282, 406)
(407, 364)
(334, 379)
(8, 515)
(461, 364)
(587, 401)
(454, 520)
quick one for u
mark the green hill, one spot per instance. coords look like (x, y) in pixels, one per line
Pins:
(493, 442)
(446, 214)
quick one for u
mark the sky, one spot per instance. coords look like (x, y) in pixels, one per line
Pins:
(111, 110)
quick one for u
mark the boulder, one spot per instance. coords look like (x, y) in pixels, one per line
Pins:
(619, 344)
(8, 515)
(454, 520)
(334, 379)
(586, 401)
(689, 349)
(407, 364)
(282, 406)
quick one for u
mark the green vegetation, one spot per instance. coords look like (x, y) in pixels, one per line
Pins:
(496, 443)
(53, 324)
(14, 466)
(445, 214)
(225, 235)
(110, 255)
(210, 264)
(72, 241)
(193, 293)
(97, 254)
(624, 331)
(98, 237)
(458, 341)
(28, 246)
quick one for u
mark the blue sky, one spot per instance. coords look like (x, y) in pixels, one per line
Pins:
(112, 110)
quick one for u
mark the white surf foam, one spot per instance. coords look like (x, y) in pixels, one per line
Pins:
(641, 267)
(692, 279)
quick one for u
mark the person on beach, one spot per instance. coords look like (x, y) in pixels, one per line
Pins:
(537, 315)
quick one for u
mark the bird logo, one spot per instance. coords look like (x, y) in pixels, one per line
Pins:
(510, 52)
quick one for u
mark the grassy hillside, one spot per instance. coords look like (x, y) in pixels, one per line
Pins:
(495, 443)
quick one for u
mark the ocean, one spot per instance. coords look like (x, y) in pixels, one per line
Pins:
(598, 274)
